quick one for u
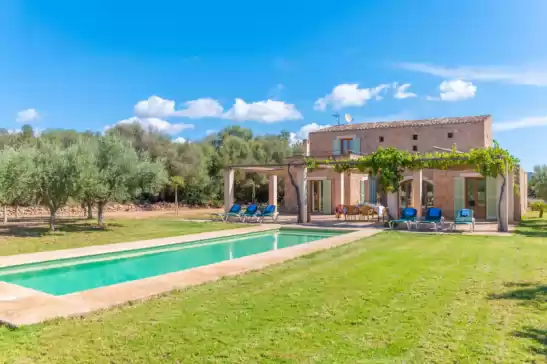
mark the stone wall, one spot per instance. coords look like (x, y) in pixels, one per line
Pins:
(77, 211)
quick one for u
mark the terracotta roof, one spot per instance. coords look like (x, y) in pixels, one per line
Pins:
(406, 123)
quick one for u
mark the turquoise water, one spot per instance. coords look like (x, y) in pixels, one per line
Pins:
(65, 276)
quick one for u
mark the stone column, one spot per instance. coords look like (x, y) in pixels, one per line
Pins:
(417, 178)
(228, 189)
(272, 190)
(342, 189)
(302, 182)
(393, 204)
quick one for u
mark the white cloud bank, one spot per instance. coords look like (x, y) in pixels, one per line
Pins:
(513, 75)
(346, 95)
(455, 90)
(528, 122)
(27, 116)
(269, 111)
(304, 132)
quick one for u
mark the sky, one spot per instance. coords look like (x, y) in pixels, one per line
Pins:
(191, 68)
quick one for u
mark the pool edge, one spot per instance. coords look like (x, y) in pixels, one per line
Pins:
(42, 307)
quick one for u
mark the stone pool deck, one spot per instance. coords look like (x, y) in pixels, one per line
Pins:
(23, 306)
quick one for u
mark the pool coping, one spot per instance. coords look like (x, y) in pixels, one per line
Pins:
(23, 306)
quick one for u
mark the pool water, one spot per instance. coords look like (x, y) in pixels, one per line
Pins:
(66, 276)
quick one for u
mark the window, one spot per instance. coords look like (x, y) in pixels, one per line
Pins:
(415, 137)
(414, 148)
(381, 139)
(450, 135)
(345, 145)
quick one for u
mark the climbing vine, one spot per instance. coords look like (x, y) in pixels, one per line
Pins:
(389, 164)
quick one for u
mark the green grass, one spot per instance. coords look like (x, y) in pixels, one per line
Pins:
(77, 234)
(395, 297)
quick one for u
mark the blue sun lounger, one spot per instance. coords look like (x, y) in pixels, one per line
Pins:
(464, 217)
(433, 215)
(408, 216)
(269, 211)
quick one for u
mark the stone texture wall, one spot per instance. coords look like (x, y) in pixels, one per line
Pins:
(465, 136)
(77, 211)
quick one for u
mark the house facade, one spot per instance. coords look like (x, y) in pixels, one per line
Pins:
(449, 190)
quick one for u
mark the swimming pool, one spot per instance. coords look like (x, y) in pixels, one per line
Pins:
(66, 276)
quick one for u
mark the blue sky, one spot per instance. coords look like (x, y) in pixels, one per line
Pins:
(192, 67)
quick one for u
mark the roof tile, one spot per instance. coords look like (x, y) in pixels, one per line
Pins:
(406, 123)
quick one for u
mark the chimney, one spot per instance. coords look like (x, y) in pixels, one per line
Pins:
(306, 147)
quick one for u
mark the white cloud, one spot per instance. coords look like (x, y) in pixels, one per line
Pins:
(304, 132)
(455, 90)
(528, 122)
(345, 95)
(210, 131)
(155, 123)
(157, 107)
(269, 111)
(27, 116)
(180, 140)
(513, 75)
(401, 91)
(201, 108)
(154, 107)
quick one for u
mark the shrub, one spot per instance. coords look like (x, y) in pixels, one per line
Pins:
(539, 206)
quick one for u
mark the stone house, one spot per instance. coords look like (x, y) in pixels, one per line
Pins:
(449, 190)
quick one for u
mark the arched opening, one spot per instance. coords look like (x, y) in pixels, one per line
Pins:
(405, 194)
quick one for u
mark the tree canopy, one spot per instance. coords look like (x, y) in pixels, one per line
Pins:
(129, 163)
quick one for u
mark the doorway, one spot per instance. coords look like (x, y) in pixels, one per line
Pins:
(475, 196)
(319, 196)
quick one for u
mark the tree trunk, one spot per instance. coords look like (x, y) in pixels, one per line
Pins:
(541, 212)
(100, 213)
(16, 211)
(89, 211)
(500, 227)
(298, 205)
(52, 220)
(176, 202)
(5, 212)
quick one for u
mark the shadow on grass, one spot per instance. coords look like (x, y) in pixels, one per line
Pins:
(533, 227)
(534, 296)
(537, 335)
(61, 228)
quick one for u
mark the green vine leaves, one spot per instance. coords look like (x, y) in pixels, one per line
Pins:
(389, 164)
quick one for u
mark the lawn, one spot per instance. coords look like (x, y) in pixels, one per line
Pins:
(395, 297)
(18, 239)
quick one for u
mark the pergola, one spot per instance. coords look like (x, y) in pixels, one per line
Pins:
(299, 171)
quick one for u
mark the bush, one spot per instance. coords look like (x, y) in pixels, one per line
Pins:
(539, 206)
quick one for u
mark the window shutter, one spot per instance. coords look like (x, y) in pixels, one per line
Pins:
(459, 193)
(372, 189)
(362, 191)
(492, 197)
(326, 196)
(356, 146)
(336, 146)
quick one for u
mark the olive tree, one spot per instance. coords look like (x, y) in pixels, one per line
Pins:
(17, 177)
(57, 175)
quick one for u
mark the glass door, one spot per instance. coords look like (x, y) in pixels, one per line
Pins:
(475, 193)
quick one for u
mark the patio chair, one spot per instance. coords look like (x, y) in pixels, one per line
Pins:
(464, 217)
(408, 216)
(235, 211)
(366, 211)
(269, 211)
(433, 215)
(250, 212)
(352, 211)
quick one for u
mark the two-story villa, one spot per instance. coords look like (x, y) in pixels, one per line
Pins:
(449, 190)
